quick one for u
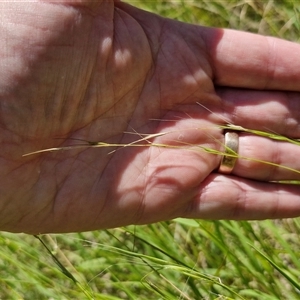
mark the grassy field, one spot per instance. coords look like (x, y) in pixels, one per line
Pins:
(180, 259)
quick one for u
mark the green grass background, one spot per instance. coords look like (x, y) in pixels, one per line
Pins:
(180, 259)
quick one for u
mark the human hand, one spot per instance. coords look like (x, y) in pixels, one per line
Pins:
(94, 71)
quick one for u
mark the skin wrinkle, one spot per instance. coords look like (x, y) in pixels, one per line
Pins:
(223, 116)
(231, 112)
(244, 199)
(154, 43)
(191, 206)
(63, 181)
(153, 176)
(121, 98)
(201, 189)
(290, 123)
(236, 212)
(29, 212)
(107, 44)
(151, 77)
(115, 108)
(207, 42)
(162, 33)
(4, 207)
(90, 195)
(275, 207)
(151, 43)
(23, 193)
(114, 104)
(285, 103)
(90, 71)
(156, 52)
(106, 196)
(52, 105)
(165, 33)
(10, 138)
(276, 158)
(140, 94)
(63, 110)
(32, 215)
(218, 78)
(194, 78)
(140, 211)
(270, 64)
(200, 197)
(82, 102)
(89, 106)
(62, 114)
(201, 70)
(81, 98)
(189, 73)
(140, 87)
(115, 35)
(160, 93)
(139, 82)
(241, 202)
(64, 104)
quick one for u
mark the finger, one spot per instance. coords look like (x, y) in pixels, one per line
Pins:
(253, 61)
(227, 197)
(90, 4)
(275, 112)
(264, 159)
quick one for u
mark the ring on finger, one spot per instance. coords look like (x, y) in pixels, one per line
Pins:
(230, 153)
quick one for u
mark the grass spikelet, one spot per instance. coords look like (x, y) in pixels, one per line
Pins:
(145, 140)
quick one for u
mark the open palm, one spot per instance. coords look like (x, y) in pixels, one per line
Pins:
(112, 73)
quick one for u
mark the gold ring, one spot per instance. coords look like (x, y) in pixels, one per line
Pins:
(231, 152)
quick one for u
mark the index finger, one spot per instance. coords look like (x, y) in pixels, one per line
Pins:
(247, 60)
